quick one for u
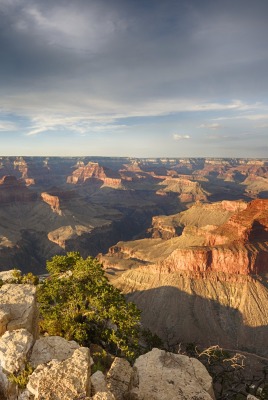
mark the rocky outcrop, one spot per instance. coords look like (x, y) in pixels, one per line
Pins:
(14, 347)
(48, 348)
(199, 215)
(187, 190)
(68, 379)
(52, 201)
(94, 172)
(159, 375)
(18, 308)
(62, 369)
(66, 233)
(118, 378)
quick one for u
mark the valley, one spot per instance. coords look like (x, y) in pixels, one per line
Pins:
(184, 239)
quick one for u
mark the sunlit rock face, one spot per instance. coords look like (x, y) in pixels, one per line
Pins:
(49, 205)
(93, 171)
(190, 273)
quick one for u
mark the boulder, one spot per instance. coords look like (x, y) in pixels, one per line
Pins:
(159, 375)
(18, 308)
(14, 347)
(48, 348)
(98, 382)
(57, 380)
(118, 378)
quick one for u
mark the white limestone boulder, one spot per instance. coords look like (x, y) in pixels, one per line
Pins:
(159, 375)
(48, 348)
(98, 382)
(18, 308)
(14, 347)
(118, 378)
(57, 380)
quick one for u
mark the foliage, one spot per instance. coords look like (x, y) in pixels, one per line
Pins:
(102, 361)
(21, 378)
(232, 376)
(151, 340)
(29, 278)
(78, 303)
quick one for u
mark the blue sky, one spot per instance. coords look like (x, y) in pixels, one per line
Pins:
(134, 78)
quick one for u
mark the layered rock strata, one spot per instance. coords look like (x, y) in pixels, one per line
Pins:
(207, 285)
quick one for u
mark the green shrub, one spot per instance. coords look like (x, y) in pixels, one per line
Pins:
(78, 303)
(21, 378)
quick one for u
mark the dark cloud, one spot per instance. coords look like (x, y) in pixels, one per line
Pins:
(130, 57)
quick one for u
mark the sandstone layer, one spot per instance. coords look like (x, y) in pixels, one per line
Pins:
(209, 284)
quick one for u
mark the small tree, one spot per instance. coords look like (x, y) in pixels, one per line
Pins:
(77, 302)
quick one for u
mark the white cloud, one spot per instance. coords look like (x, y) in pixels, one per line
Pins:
(78, 124)
(210, 126)
(6, 126)
(176, 136)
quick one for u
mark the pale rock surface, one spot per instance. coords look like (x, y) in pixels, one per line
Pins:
(103, 396)
(4, 318)
(118, 378)
(251, 397)
(48, 348)
(18, 308)
(58, 380)
(14, 347)
(159, 375)
(7, 275)
(98, 382)
(25, 395)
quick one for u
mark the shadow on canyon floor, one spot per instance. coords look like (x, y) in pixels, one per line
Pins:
(178, 317)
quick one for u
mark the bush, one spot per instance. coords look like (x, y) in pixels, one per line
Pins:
(21, 378)
(78, 303)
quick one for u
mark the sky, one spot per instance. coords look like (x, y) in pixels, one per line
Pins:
(134, 78)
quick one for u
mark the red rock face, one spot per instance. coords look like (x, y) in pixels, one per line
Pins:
(240, 246)
(93, 171)
(52, 201)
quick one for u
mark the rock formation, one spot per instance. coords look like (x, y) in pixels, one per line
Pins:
(62, 369)
(216, 273)
(93, 171)
(188, 191)
(52, 201)
(107, 200)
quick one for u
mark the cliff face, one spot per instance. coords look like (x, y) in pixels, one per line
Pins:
(188, 191)
(216, 273)
(93, 171)
(199, 215)
(52, 201)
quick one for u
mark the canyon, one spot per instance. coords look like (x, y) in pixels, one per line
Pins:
(50, 205)
(202, 275)
(184, 239)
